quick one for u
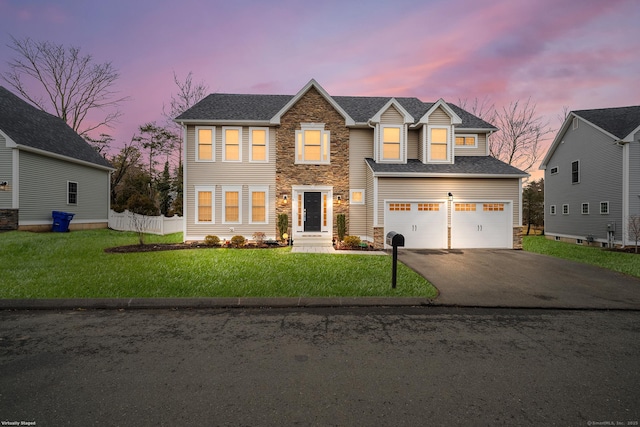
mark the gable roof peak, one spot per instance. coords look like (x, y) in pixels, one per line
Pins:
(393, 102)
(441, 103)
(312, 84)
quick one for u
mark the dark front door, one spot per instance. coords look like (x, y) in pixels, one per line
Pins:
(313, 211)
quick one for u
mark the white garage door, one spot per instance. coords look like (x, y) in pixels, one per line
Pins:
(423, 224)
(481, 225)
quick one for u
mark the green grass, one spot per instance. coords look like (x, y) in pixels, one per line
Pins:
(74, 265)
(616, 261)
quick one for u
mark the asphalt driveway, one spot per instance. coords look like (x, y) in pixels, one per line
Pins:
(514, 278)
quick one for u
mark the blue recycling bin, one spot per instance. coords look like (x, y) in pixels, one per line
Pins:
(61, 221)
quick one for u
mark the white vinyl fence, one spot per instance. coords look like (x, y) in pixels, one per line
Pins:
(128, 221)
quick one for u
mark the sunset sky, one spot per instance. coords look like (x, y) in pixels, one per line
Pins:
(575, 53)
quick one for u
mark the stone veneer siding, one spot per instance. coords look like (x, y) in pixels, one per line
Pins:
(8, 219)
(312, 107)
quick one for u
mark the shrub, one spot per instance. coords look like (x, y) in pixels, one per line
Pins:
(238, 241)
(342, 226)
(259, 237)
(352, 241)
(212, 240)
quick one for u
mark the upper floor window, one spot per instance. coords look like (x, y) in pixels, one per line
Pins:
(72, 193)
(231, 143)
(312, 144)
(575, 172)
(391, 143)
(258, 138)
(554, 170)
(205, 137)
(466, 141)
(438, 144)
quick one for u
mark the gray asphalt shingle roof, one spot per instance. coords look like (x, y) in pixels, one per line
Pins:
(29, 126)
(479, 165)
(620, 121)
(235, 107)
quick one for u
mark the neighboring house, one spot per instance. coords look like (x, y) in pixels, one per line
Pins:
(387, 164)
(592, 177)
(45, 166)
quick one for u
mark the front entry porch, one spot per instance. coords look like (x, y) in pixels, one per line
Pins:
(312, 221)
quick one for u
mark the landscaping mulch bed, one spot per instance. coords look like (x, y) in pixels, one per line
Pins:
(155, 247)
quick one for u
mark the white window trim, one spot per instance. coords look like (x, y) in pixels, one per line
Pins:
(325, 144)
(199, 189)
(213, 144)
(449, 144)
(356, 190)
(69, 193)
(266, 146)
(552, 210)
(260, 189)
(225, 189)
(608, 208)
(582, 208)
(462, 135)
(565, 211)
(403, 144)
(224, 143)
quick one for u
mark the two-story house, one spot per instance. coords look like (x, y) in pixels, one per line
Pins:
(592, 177)
(388, 164)
(45, 166)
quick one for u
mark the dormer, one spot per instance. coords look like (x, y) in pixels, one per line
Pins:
(437, 134)
(390, 133)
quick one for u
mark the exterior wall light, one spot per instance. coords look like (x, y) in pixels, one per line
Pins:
(450, 196)
(285, 199)
(3, 185)
(339, 198)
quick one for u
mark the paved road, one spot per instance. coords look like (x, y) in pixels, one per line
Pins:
(343, 366)
(508, 278)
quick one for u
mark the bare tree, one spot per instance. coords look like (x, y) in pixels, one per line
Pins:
(634, 228)
(73, 84)
(484, 108)
(189, 93)
(521, 132)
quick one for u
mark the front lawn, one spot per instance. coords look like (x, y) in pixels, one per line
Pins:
(74, 265)
(626, 263)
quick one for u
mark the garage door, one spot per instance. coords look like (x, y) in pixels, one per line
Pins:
(423, 224)
(481, 225)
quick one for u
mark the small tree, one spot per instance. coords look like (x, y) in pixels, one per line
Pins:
(533, 201)
(283, 225)
(142, 207)
(164, 190)
(634, 228)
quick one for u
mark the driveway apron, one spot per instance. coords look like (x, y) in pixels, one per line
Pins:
(514, 278)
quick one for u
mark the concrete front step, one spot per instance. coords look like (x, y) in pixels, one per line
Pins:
(312, 241)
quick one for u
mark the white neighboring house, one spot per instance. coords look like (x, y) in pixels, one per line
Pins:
(592, 177)
(45, 166)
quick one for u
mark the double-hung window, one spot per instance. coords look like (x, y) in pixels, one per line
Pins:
(585, 209)
(205, 197)
(391, 143)
(312, 144)
(232, 204)
(72, 193)
(258, 141)
(232, 144)
(258, 208)
(438, 144)
(205, 146)
(575, 172)
(604, 208)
